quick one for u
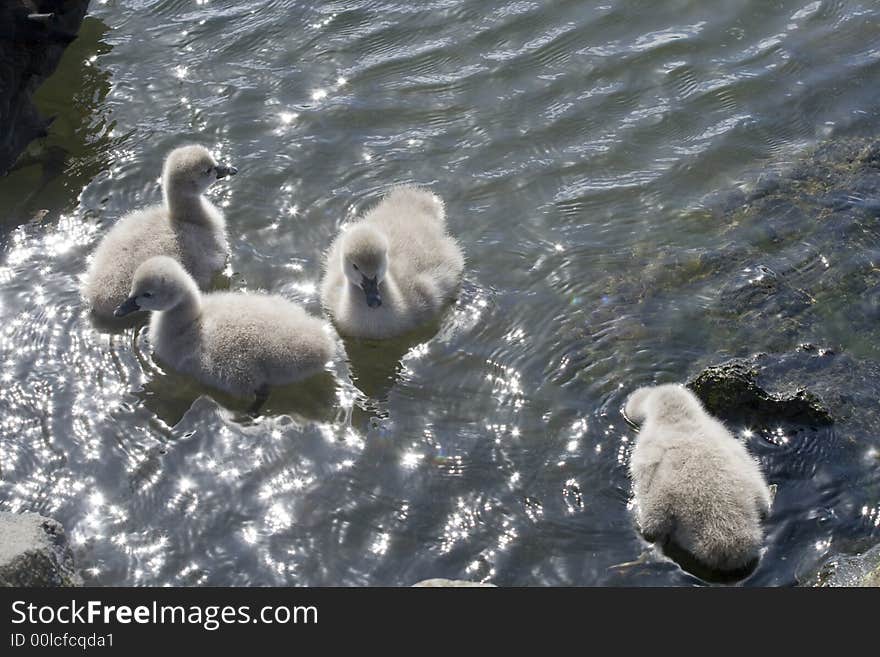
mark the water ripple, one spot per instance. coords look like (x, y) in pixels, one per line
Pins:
(582, 151)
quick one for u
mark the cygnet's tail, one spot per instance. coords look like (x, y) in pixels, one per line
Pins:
(102, 293)
(731, 545)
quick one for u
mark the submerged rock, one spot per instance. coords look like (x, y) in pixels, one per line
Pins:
(760, 287)
(858, 570)
(34, 552)
(440, 582)
(33, 36)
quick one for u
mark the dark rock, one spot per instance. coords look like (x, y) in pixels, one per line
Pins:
(30, 48)
(34, 552)
(732, 391)
(811, 386)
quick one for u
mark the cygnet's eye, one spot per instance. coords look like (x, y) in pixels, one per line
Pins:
(355, 267)
(207, 171)
(148, 295)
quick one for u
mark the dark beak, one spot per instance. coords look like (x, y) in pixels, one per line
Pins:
(224, 170)
(127, 307)
(370, 286)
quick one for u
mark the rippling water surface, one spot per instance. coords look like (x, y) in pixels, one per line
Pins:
(575, 143)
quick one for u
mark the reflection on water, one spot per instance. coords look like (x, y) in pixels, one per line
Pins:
(583, 150)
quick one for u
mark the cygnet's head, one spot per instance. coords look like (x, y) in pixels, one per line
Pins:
(190, 170)
(159, 283)
(365, 260)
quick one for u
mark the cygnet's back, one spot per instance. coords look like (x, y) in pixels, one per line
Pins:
(414, 222)
(251, 340)
(694, 483)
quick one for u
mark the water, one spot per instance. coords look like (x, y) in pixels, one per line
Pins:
(576, 145)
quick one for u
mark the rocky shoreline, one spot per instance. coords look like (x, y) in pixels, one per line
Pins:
(33, 36)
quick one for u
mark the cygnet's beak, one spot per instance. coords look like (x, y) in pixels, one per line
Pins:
(370, 286)
(127, 307)
(224, 170)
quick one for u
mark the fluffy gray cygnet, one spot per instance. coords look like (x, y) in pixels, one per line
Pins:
(186, 227)
(394, 269)
(694, 483)
(239, 342)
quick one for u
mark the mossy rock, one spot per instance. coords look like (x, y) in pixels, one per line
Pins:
(809, 387)
(731, 391)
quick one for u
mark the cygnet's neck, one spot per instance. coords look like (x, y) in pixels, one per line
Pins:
(187, 310)
(678, 413)
(186, 206)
